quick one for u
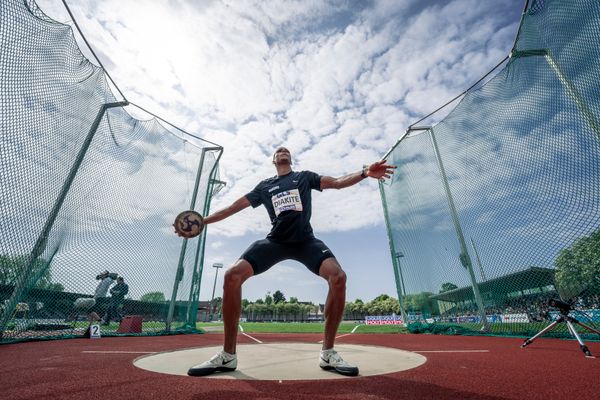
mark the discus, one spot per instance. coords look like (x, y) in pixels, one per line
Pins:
(188, 224)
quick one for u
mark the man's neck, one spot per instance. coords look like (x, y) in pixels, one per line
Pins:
(283, 169)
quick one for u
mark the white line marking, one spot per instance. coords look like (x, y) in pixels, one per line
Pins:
(450, 351)
(241, 328)
(255, 339)
(346, 334)
(118, 352)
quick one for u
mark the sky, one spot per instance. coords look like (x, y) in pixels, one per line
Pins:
(336, 82)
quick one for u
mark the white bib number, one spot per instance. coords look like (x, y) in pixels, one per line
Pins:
(286, 201)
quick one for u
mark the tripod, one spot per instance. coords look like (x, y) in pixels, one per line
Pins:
(565, 309)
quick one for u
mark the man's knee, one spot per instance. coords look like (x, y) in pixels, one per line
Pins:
(333, 273)
(237, 274)
(338, 279)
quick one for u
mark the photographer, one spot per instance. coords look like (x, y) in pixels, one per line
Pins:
(106, 279)
(118, 293)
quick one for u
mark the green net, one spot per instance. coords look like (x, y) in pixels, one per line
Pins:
(86, 188)
(495, 211)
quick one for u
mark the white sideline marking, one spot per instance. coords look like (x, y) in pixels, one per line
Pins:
(337, 337)
(450, 351)
(255, 339)
(346, 334)
(118, 352)
(245, 334)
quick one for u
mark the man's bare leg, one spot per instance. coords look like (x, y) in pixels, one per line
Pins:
(329, 359)
(332, 272)
(232, 305)
(232, 301)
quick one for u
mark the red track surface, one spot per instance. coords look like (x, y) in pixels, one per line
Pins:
(547, 369)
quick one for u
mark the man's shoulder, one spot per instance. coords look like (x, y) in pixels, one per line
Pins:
(307, 174)
(268, 180)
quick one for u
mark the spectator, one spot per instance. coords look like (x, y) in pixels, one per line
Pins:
(118, 293)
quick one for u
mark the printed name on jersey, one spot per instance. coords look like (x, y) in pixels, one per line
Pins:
(287, 200)
(273, 188)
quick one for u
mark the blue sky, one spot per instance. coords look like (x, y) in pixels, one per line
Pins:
(337, 82)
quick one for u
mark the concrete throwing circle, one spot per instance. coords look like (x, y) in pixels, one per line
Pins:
(284, 361)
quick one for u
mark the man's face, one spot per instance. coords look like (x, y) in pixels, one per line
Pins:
(282, 156)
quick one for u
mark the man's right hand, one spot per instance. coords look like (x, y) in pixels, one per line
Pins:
(380, 170)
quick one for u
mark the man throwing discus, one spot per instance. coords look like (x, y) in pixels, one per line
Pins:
(287, 198)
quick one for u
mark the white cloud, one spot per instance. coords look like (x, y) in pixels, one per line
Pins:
(335, 81)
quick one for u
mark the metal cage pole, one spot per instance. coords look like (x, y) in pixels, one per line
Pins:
(395, 261)
(569, 87)
(199, 258)
(42, 240)
(464, 257)
(180, 269)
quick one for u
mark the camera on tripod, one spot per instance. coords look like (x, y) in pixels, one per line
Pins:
(563, 306)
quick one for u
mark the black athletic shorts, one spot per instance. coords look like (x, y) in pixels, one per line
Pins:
(263, 254)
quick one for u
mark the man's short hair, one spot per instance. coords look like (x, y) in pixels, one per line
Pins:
(277, 151)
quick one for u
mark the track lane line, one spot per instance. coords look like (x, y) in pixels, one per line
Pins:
(450, 351)
(118, 352)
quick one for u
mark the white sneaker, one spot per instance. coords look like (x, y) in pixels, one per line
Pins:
(221, 361)
(330, 359)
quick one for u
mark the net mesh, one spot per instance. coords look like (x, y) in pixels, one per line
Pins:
(87, 188)
(495, 210)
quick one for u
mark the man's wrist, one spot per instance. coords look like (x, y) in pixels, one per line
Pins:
(364, 171)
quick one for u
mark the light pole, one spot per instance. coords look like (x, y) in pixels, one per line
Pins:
(399, 255)
(217, 266)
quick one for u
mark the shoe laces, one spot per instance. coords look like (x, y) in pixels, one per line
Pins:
(220, 356)
(333, 356)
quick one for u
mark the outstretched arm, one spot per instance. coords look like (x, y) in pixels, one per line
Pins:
(235, 207)
(377, 170)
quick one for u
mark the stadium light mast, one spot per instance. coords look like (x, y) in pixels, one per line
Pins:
(216, 266)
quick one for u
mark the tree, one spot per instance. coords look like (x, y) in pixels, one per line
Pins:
(278, 297)
(217, 306)
(293, 300)
(421, 302)
(381, 297)
(292, 309)
(446, 287)
(40, 277)
(245, 303)
(268, 299)
(578, 266)
(153, 297)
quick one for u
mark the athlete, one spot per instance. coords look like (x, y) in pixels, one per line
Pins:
(287, 198)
